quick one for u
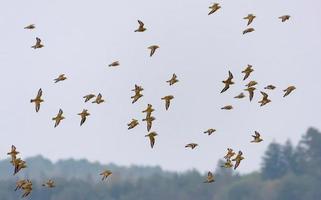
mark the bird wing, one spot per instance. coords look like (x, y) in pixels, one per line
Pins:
(38, 40)
(141, 24)
(39, 93)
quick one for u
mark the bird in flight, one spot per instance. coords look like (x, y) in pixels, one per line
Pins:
(265, 99)
(248, 30)
(284, 18)
(247, 71)
(288, 90)
(141, 27)
(228, 107)
(250, 18)
(209, 131)
(270, 87)
(251, 92)
(230, 153)
(228, 164)
(209, 178)
(191, 145)
(61, 77)
(238, 159)
(114, 64)
(214, 8)
(137, 95)
(152, 49)
(167, 100)
(58, 118)
(50, 184)
(88, 97)
(132, 124)
(151, 137)
(240, 96)
(251, 84)
(105, 174)
(228, 82)
(30, 27)
(38, 44)
(83, 116)
(148, 110)
(173, 80)
(99, 99)
(257, 137)
(37, 100)
(149, 120)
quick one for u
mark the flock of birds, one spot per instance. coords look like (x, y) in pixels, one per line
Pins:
(26, 185)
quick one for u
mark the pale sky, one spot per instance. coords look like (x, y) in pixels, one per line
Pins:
(82, 37)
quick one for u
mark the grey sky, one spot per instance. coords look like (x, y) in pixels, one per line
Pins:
(82, 37)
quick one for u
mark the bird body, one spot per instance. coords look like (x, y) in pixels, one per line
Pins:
(132, 124)
(288, 90)
(248, 30)
(247, 71)
(230, 153)
(114, 64)
(210, 131)
(191, 145)
(152, 49)
(257, 138)
(148, 110)
(228, 107)
(167, 100)
(149, 120)
(83, 116)
(37, 100)
(240, 96)
(151, 137)
(38, 44)
(250, 18)
(251, 92)
(214, 8)
(238, 159)
(228, 82)
(270, 87)
(141, 27)
(284, 18)
(50, 184)
(265, 99)
(105, 174)
(209, 178)
(88, 97)
(251, 84)
(31, 26)
(173, 80)
(61, 77)
(58, 118)
(99, 99)
(227, 164)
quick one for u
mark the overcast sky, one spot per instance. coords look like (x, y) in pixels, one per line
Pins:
(82, 37)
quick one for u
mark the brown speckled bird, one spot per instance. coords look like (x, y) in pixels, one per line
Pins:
(148, 110)
(167, 100)
(230, 153)
(105, 174)
(83, 116)
(270, 87)
(152, 49)
(265, 99)
(173, 80)
(248, 30)
(88, 97)
(238, 159)
(247, 71)
(191, 145)
(251, 84)
(209, 131)
(149, 120)
(257, 137)
(13, 153)
(250, 18)
(58, 118)
(132, 124)
(141, 27)
(240, 96)
(99, 99)
(38, 44)
(214, 8)
(251, 92)
(288, 90)
(50, 184)
(228, 164)
(31, 26)
(37, 100)
(228, 82)
(137, 95)
(228, 107)
(61, 77)
(114, 64)
(151, 137)
(209, 178)
(284, 18)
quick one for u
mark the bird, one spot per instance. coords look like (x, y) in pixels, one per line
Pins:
(58, 118)
(61, 77)
(250, 18)
(19, 184)
(141, 27)
(284, 18)
(114, 64)
(13, 153)
(214, 8)
(27, 188)
(240, 96)
(18, 164)
(288, 90)
(251, 92)
(50, 184)
(257, 137)
(132, 124)
(83, 116)
(99, 99)
(38, 44)
(88, 97)
(228, 107)
(270, 87)
(37, 100)
(148, 110)
(173, 80)
(152, 49)
(248, 30)
(191, 145)
(238, 159)
(251, 83)
(167, 100)
(228, 164)
(149, 120)
(31, 26)
(210, 131)
(137, 95)
(230, 153)
(247, 71)
(151, 137)
(209, 178)
(105, 174)
(228, 82)
(265, 99)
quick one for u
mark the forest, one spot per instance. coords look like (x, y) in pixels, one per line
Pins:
(287, 172)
